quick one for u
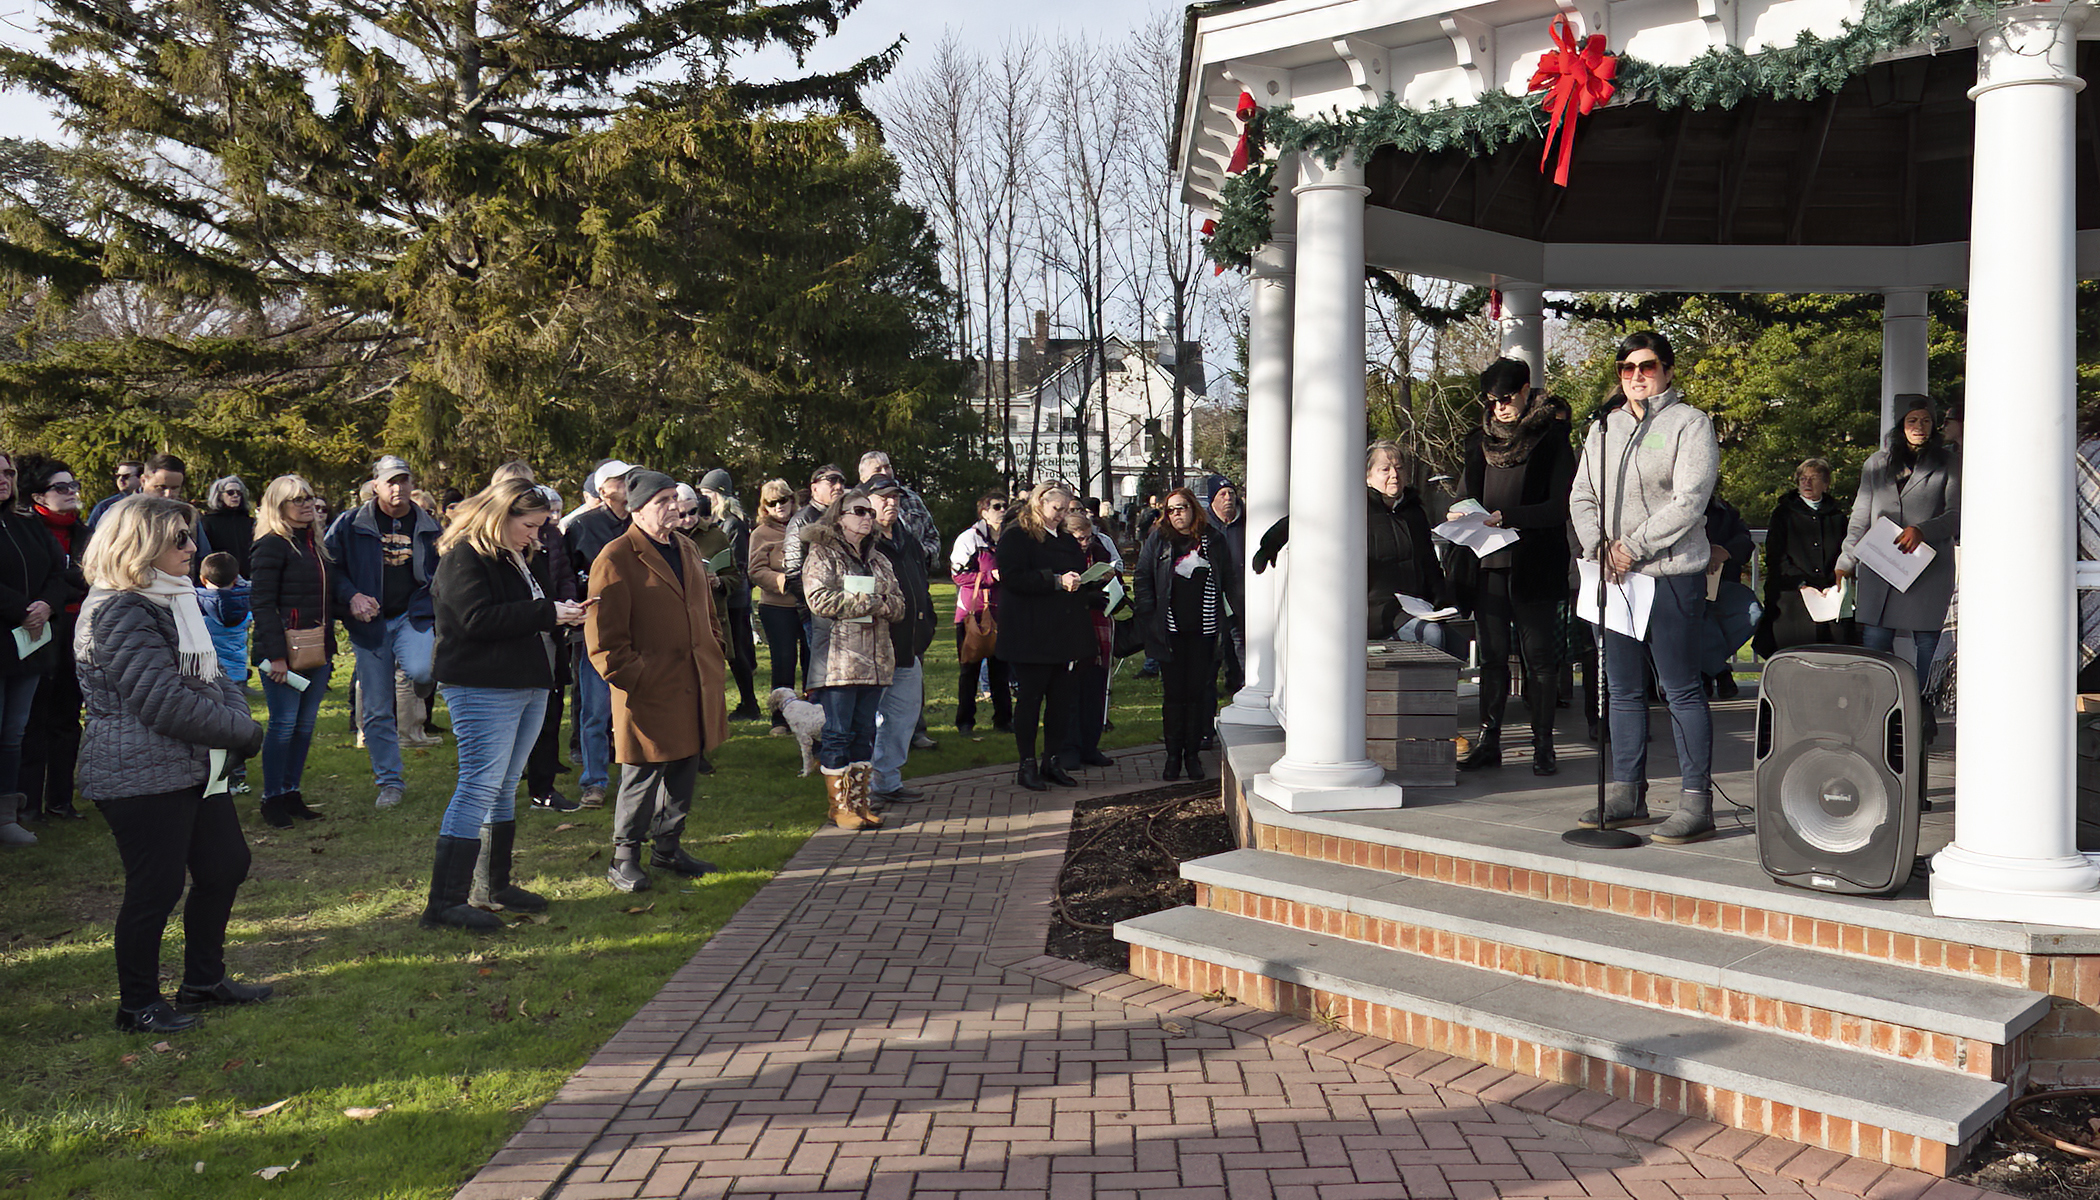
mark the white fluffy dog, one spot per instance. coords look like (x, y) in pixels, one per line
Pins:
(804, 720)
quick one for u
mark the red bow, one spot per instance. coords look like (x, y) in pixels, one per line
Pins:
(1580, 81)
(1243, 149)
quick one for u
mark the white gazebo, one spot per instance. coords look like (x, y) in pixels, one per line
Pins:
(1952, 160)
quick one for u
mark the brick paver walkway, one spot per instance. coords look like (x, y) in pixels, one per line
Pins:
(879, 1022)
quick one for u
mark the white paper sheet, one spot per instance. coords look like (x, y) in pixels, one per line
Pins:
(1627, 603)
(1878, 550)
(297, 682)
(27, 643)
(857, 585)
(1473, 532)
(217, 781)
(1825, 604)
(1423, 610)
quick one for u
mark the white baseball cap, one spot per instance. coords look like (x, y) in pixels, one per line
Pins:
(608, 471)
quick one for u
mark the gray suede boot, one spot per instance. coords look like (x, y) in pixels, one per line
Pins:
(1624, 804)
(12, 832)
(1692, 822)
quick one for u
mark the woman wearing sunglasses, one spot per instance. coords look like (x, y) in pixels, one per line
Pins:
(779, 617)
(288, 593)
(33, 590)
(853, 597)
(51, 743)
(1639, 506)
(158, 706)
(974, 565)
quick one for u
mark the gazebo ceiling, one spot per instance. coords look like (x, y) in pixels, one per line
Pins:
(1884, 162)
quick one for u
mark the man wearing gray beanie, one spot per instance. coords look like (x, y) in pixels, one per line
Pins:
(652, 636)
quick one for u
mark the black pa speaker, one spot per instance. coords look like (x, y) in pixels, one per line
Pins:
(1840, 769)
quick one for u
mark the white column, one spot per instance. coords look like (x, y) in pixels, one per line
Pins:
(1324, 766)
(1268, 482)
(1523, 328)
(2015, 855)
(1904, 342)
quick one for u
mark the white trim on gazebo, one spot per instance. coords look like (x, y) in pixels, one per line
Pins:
(2015, 855)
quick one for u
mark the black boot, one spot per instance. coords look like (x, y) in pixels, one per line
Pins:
(1539, 698)
(1486, 751)
(275, 813)
(1173, 720)
(451, 879)
(492, 885)
(1029, 777)
(1052, 773)
(1193, 760)
(295, 804)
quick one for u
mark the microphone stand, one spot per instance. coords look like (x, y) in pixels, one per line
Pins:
(1601, 838)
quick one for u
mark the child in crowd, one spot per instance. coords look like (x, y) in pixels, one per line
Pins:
(223, 595)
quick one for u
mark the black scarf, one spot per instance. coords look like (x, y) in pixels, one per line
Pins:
(1508, 444)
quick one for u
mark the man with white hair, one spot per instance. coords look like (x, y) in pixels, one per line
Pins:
(911, 510)
(586, 537)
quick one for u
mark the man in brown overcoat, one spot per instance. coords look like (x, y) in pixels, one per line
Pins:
(652, 635)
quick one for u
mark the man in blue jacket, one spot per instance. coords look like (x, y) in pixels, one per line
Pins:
(384, 554)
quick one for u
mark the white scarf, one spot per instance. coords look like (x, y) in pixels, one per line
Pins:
(192, 639)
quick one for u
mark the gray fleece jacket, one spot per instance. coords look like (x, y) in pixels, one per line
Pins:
(1655, 496)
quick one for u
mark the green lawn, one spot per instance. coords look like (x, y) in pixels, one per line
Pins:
(455, 1040)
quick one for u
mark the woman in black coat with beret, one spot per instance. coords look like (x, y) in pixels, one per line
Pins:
(1044, 627)
(289, 591)
(1520, 468)
(1185, 571)
(494, 660)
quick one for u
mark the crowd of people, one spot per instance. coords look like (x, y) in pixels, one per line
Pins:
(144, 618)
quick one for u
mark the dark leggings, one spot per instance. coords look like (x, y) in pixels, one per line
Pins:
(1536, 626)
(1043, 689)
(784, 644)
(966, 689)
(743, 655)
(51, 744)
(545, 761)
(1188, 709)
(162, 838)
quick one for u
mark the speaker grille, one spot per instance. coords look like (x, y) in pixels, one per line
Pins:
(1835, 801)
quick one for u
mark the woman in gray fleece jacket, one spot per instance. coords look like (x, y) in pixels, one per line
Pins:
(157, 706)
(1639, 507)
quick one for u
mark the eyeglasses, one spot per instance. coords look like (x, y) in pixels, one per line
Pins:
(64, 489)
(858, 511)
(1645, 367)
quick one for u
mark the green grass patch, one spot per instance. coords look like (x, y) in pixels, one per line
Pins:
(393, 1060)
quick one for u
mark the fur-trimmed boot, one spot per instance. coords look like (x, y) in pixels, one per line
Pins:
(409, 715)
(11, 831)
(839, 790)
(1624, 804)
(860, 782)
(1692, 822)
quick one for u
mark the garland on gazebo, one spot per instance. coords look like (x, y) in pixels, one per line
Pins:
(1647, 308)
(1721, 77)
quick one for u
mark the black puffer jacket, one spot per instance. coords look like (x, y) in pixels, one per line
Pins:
(1040, 622)
(32, 568)
(150, 728)
(489, 624)
(1402, 559)
(289, 590)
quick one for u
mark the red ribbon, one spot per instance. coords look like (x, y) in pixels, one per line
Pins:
(1495, 304)
(1578, 80)
(1243, 150)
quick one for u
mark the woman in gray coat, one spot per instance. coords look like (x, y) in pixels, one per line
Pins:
(1914, 481)
(157, 709)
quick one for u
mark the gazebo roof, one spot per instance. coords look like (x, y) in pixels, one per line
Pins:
(1866, 187)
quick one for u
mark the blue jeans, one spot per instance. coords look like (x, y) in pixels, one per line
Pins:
(1429, 633)
(1675, 627)
(495, 729)
(1925, 642)
(17, 701)
(291, 730)
(593, 723)
(896, 714)
(408, 648)
(1730, 620)
(849, 724)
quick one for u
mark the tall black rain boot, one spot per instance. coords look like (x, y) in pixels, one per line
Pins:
(451, 879)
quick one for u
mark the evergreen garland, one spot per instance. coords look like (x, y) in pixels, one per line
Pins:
(1723, 77)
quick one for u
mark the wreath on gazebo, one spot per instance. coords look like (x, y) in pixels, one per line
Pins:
(1722, 77)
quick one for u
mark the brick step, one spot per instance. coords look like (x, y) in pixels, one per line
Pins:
(1861, 1004)
(1891, 1111)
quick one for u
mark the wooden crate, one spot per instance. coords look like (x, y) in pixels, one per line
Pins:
(1411, 712)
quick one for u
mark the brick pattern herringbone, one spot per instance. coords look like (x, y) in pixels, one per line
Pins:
(879, 1022)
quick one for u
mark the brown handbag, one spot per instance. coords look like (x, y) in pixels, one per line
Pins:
(305, 649)
(980, 635)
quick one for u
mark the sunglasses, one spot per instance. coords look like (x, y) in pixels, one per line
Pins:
(1513, 398)
(783, 502)
(860, 511)
(127, 474)
(306, 499)
(999, 507)
(1646, 367)
(64, 489)
(1175, 508)
(829, 479)
(184, 541)
(690, 513)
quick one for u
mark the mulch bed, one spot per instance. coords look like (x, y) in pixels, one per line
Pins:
(1123, 860)
(2013, 1163)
